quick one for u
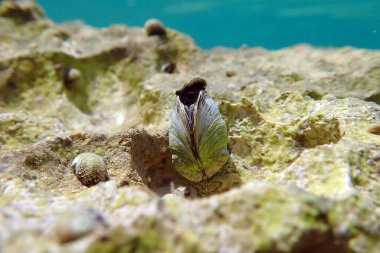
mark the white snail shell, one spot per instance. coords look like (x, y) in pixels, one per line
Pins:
(154, 27)
(89, 169)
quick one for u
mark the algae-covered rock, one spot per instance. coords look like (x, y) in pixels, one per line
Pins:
(23, 129)
(303, 134)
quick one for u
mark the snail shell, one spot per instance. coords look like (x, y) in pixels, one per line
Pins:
(168, 67)
(89, 169)
(154, 27)
(71, 75)
(197, 134)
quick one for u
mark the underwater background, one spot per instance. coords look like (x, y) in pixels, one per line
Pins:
(271, 24)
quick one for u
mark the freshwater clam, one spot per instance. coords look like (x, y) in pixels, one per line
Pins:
(89, 169)
(197, 133)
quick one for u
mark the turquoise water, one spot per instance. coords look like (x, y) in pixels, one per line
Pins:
(271, 24)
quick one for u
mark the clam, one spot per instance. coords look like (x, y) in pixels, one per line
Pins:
(197, 133)
(89, 169)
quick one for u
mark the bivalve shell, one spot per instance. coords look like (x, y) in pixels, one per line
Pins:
(197, 134)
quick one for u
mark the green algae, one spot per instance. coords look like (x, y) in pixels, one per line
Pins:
(259, 142)
(149, 95)
(150, 100)
(333, 170)
(22, 129)
(288, 107)
(291, 78)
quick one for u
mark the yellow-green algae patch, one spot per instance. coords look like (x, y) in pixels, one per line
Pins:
(323, 171)
(288, 107)
(334, 170)
(21, 129)
(259, 142)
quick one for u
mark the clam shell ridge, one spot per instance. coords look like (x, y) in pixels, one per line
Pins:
(198, 138)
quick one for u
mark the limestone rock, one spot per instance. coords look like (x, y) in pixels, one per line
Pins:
(303, 174)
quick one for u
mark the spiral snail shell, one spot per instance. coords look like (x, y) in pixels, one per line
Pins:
(154, 27)
(89, 169)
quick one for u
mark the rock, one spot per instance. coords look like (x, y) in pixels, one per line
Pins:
(21, 12)
(77, 222)
(23, 129)
(318, 131)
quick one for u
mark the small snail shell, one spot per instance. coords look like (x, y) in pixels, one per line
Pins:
(168, 67)
(72, 75)
(197, 134)
(155, 27)
(89, 169)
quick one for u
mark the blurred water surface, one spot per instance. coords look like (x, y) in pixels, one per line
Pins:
(271, 24)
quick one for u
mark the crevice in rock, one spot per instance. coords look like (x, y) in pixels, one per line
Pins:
(314, 242)
(152, 161)
(318, 130)
(374, 98)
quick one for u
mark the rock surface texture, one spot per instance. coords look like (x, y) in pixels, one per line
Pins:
(303, 130)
